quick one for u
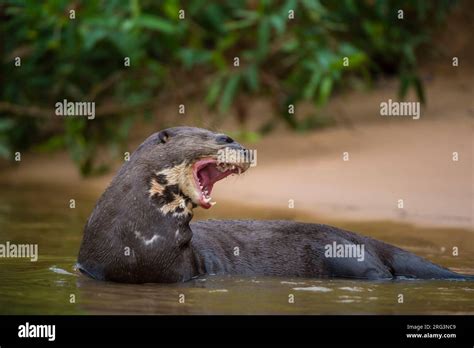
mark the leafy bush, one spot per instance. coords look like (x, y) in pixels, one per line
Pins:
(290, 60)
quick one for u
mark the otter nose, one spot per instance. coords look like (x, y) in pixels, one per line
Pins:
(228, 142)
(224, 139)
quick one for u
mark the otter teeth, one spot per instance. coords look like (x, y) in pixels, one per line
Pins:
(223, 167)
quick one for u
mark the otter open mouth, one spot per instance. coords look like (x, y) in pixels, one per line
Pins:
(207, 172)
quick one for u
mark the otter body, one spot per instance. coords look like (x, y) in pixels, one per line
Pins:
(141, 231)
(294, 249)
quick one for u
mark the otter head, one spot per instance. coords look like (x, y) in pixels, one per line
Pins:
(184, 163)
(148, 205)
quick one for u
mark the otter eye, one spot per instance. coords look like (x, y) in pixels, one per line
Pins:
(224, 139)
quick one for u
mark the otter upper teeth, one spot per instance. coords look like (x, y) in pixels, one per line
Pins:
(222, 167)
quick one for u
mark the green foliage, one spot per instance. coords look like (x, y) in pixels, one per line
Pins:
(82, 59)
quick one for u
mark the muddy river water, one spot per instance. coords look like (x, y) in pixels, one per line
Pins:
(42, 215)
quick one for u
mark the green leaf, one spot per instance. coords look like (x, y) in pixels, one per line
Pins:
(240, 24)
(290, 45)
(312, 85)
(251, 77)
(4, 150)
(135, 8)
(263, 37)
(156, 23)
(56, 142)
(246, 136)
(6, 124)
(278, 23)
(229, 92)
(191, 57)
(214, 91)
(325, 89)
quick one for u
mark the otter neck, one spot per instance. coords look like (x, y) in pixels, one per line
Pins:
(172, 212)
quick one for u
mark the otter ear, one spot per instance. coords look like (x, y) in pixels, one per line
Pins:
(163, 136)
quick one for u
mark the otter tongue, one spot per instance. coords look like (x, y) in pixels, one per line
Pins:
(209, 175)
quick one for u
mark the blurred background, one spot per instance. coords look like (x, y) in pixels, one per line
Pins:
(272, 74)
(290, 53)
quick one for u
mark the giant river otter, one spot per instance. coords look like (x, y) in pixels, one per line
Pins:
(140, 230)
